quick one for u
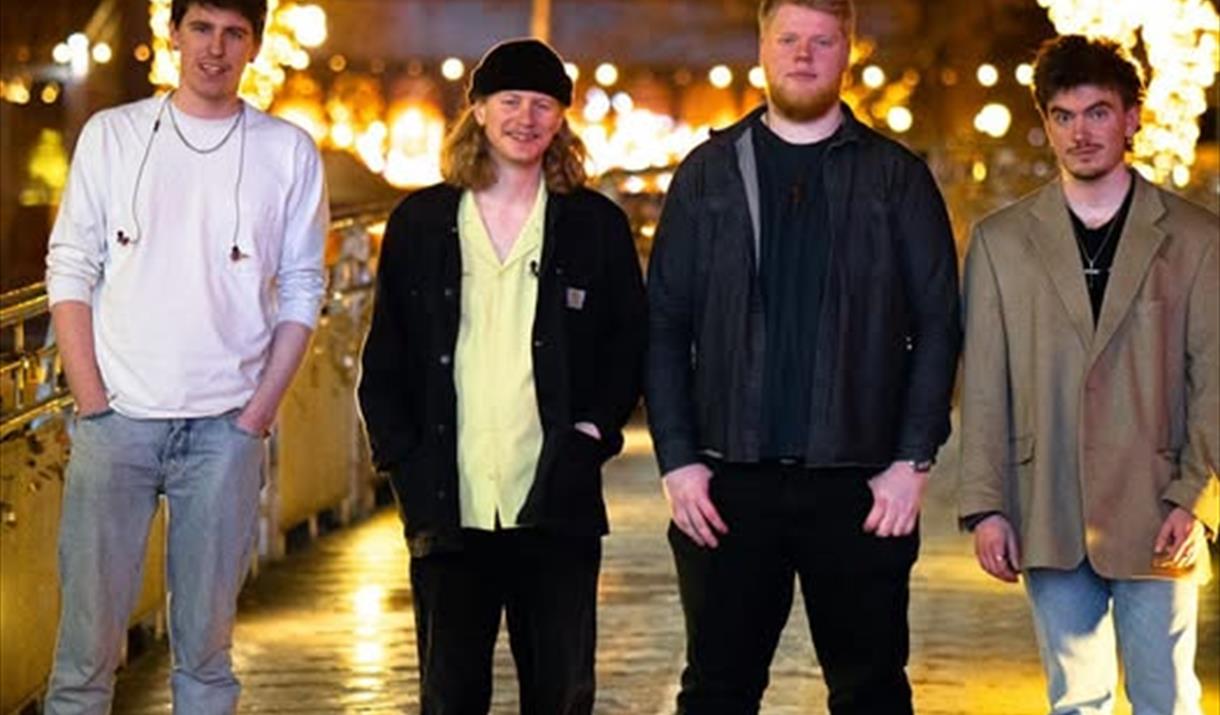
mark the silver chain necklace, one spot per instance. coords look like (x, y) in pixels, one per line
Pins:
(235, 252)
(173, 119)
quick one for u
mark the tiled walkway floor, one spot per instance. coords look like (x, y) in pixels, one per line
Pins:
(330, 630)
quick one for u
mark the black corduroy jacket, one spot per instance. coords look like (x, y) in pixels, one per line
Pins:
(888, 335)
(587, 354)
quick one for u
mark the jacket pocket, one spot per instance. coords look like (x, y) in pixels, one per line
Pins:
(1021, 449)
(574, 487)
(1019, 489)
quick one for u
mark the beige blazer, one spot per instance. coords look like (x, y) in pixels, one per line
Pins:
(1083, 437)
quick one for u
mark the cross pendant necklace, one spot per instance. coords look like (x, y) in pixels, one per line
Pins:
(1091, 271)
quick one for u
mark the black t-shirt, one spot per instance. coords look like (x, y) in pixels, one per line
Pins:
(1097, 248)
(792, 272)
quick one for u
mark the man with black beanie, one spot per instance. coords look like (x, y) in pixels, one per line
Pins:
(504, 356)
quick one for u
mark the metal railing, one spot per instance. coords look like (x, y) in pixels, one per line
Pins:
(30, 377)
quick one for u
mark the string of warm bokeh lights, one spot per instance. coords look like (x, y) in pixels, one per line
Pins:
(1181, 41)
(291, 28)
(638, 124)
(402, 142)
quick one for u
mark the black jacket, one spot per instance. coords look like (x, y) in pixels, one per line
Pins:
(888, 338)
(588, 361)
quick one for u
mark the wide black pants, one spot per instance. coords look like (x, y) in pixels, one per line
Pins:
(786, 523)
(547, 586)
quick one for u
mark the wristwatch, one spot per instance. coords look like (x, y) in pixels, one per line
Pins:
(921, 466)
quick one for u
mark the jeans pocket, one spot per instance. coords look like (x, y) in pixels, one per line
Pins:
(231, 421)
(96, 416)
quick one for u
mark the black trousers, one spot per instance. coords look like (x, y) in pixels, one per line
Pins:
(547, 586)
(787, 523)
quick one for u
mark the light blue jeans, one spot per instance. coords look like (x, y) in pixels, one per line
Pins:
(210, 472)
(1085, 622)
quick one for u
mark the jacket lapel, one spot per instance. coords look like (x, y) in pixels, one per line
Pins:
(1137, 245)
(551, 228)
(1055, 244)
(748, 167)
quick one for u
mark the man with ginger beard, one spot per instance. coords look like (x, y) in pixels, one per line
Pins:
(803, 340)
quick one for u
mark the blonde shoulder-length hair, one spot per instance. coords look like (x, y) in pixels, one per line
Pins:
(466, 158)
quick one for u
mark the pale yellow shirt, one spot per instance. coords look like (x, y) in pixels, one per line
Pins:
(499, 433)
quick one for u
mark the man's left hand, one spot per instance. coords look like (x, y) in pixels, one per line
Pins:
(288, 344)
(1177, 543)
(897, 497)
(250, 422)
(588, 428)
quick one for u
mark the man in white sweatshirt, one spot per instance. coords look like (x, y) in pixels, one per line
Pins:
(185, 275)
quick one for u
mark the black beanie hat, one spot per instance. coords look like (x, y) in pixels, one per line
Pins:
(521, 64)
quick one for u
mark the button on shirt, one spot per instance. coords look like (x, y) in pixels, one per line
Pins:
(499, 429)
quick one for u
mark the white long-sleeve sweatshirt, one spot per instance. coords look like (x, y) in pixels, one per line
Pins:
(180, 328)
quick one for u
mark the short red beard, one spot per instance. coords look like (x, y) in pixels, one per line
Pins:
(804, 108)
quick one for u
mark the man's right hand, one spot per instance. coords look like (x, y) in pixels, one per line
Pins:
(73, 321)
(690, 505)
(92, 407)
(995, 546)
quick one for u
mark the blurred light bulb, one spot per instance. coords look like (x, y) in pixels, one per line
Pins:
(899, 119)
(758, 78)
(720, 76)
(452, 69)
(873, 76)
(606, 74)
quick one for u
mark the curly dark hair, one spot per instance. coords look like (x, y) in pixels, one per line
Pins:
(253, 10)
(1073, 60)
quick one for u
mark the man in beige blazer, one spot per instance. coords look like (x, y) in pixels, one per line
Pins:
(1090, 408)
